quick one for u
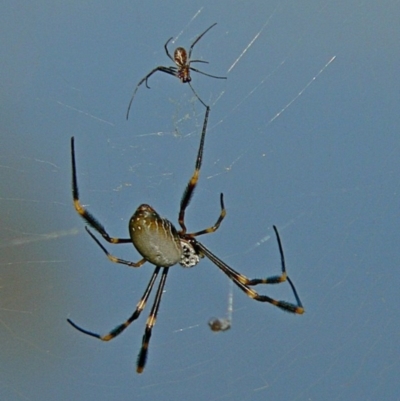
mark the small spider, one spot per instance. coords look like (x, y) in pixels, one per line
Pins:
(161, 244)
(182, 70)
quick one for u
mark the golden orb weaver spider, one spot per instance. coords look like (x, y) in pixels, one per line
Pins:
(161, 244)
(182, 69)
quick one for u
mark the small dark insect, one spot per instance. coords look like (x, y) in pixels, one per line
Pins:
(161, 244)
(182, 70)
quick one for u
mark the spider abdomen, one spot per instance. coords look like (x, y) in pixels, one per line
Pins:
(180, 57)
(181, 60)
(155, 238)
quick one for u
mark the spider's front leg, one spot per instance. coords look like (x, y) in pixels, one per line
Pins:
(167, 70)
(88, 217)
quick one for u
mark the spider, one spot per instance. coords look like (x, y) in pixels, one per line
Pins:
(161, 244)
(181, 70)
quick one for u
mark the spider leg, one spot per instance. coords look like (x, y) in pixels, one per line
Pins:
(198, 38)
(88, 217)
(204, 73)
(201, 72)
(198, 97)
(282, 277)
(166, 49)
(243, 283)
(300, 305)
(274, 279)
(199, 61)
(120, 328)
(284, 305)
(187, 194)
(151, 321)
(113, 258)
(168, 70)
(216, 225)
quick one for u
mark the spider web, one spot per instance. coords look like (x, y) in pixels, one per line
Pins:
(303, 135)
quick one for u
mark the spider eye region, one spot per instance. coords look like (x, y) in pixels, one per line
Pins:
(155, 238)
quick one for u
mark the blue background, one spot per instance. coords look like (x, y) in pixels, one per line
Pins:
(317, 157)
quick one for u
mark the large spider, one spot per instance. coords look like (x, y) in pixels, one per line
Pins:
(161, 244)
(182, 70)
